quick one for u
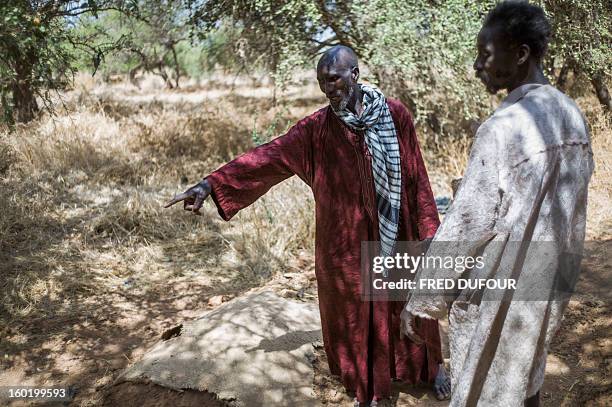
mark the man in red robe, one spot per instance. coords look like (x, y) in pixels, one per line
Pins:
(362, 338)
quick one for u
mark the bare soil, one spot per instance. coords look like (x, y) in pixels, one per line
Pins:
(148, 394)
(88, 349)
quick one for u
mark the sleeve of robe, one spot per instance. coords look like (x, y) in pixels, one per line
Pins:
(427, 212)
(469, 222)
(242, 181)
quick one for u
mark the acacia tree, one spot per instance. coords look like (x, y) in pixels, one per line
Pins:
(277, 35)
(26, 58)
(418, 50)
(582, 42)
(36, 50)
(150, 38)
(423, 52)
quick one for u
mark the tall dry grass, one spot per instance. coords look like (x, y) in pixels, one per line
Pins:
(599, 209)
(82, 201)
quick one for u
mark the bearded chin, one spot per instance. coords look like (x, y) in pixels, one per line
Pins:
(345, 101)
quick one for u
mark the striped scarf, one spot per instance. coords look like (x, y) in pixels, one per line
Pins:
(381, 139)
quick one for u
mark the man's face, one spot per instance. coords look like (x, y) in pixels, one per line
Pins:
(337, 81)
(497, 64)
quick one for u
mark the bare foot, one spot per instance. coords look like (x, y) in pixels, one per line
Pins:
(442, 384)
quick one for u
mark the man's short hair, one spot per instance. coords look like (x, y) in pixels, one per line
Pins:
(522, 23)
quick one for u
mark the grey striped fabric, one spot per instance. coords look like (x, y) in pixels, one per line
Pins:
(381, 139)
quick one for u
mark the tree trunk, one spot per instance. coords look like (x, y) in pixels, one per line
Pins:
(133, 73)
(562, 78)
(601, 90)
(24, 99)
(165, 77)
(177, 69)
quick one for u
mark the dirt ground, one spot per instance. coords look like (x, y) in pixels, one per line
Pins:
(85, 344)
(148, 394)
(88, 351)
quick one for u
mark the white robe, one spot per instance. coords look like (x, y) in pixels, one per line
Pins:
(526, 181)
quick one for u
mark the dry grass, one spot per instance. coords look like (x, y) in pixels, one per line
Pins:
(599, 214)
(82, 201)
(446, 162)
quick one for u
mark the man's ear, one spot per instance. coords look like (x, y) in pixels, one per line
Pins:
(523, 53)
(355, 73)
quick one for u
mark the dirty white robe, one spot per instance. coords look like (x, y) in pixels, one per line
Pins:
(526, 181)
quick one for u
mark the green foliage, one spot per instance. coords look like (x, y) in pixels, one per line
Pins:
(108, 27)
(276, 35)
(37, 51)
(418, 50)
(33, 58)
(423, 52)
(159, 39)
(149, 38)
(582, 34)
(212, 50)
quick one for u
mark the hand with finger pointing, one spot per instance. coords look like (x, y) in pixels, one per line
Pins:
(193, 198)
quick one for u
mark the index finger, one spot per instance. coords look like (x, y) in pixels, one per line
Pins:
(177, 198)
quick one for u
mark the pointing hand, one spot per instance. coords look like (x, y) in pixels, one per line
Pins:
(193, 198)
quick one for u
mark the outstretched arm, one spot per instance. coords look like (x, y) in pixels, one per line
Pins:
(242, 181)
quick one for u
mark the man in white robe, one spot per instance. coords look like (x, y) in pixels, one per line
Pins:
(522, 204)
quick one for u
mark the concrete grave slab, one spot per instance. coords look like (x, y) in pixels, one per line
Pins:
(255, 350)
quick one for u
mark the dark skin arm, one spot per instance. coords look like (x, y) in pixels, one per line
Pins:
(193, 198)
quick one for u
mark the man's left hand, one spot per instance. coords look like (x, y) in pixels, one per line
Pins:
(408, 327)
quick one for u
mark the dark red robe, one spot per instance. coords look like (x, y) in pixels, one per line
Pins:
(361, 338)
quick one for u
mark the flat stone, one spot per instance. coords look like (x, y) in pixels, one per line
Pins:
(254, 350)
